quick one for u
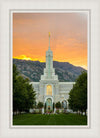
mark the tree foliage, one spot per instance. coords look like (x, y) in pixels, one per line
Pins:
(58, 105)
(78, 94)
(40, 105)
(53, 106)
(23, 92)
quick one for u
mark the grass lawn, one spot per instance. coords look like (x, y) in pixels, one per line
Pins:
(52, 119)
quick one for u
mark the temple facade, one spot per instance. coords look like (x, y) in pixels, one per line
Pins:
(49, 90)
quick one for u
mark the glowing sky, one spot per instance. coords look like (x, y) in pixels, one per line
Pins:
(68, 36)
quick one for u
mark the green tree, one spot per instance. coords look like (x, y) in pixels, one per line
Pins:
(78, 94)
(40, 105)
(58, 105)
(45, 106)
(15, 74)
(23, 92)
(53, 106)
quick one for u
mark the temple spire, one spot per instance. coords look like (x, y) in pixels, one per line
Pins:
(49, 41)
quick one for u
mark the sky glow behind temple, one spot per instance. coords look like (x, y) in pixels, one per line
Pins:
(68, 39)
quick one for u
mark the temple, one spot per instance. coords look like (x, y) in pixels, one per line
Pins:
(49, 90)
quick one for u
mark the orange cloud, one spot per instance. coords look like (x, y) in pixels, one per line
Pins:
(68, 36)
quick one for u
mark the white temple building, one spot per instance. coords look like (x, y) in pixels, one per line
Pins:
(49, 90)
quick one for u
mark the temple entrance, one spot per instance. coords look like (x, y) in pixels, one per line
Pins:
(49, 105)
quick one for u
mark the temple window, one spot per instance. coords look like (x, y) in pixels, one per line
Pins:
(49, 90)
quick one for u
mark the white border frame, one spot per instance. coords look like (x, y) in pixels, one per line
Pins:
(88, 60)
(94, 130)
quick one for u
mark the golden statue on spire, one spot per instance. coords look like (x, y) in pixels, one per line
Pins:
(49, 34)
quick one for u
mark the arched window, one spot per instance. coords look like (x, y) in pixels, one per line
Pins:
(49, 90)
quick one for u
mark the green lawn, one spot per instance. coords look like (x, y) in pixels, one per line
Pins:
(52, 119)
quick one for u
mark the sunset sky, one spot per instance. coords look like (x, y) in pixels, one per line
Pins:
(68, 36)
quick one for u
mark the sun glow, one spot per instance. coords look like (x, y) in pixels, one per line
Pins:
(24, 57)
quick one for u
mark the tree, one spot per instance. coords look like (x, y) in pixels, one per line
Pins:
(45, 106)
(78, 94)
(40, 105)
(58, 105)
(15, 73)
(53, 106)
(23, 92)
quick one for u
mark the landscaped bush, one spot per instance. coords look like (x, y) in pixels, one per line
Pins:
(57, 111)
(40, 111)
